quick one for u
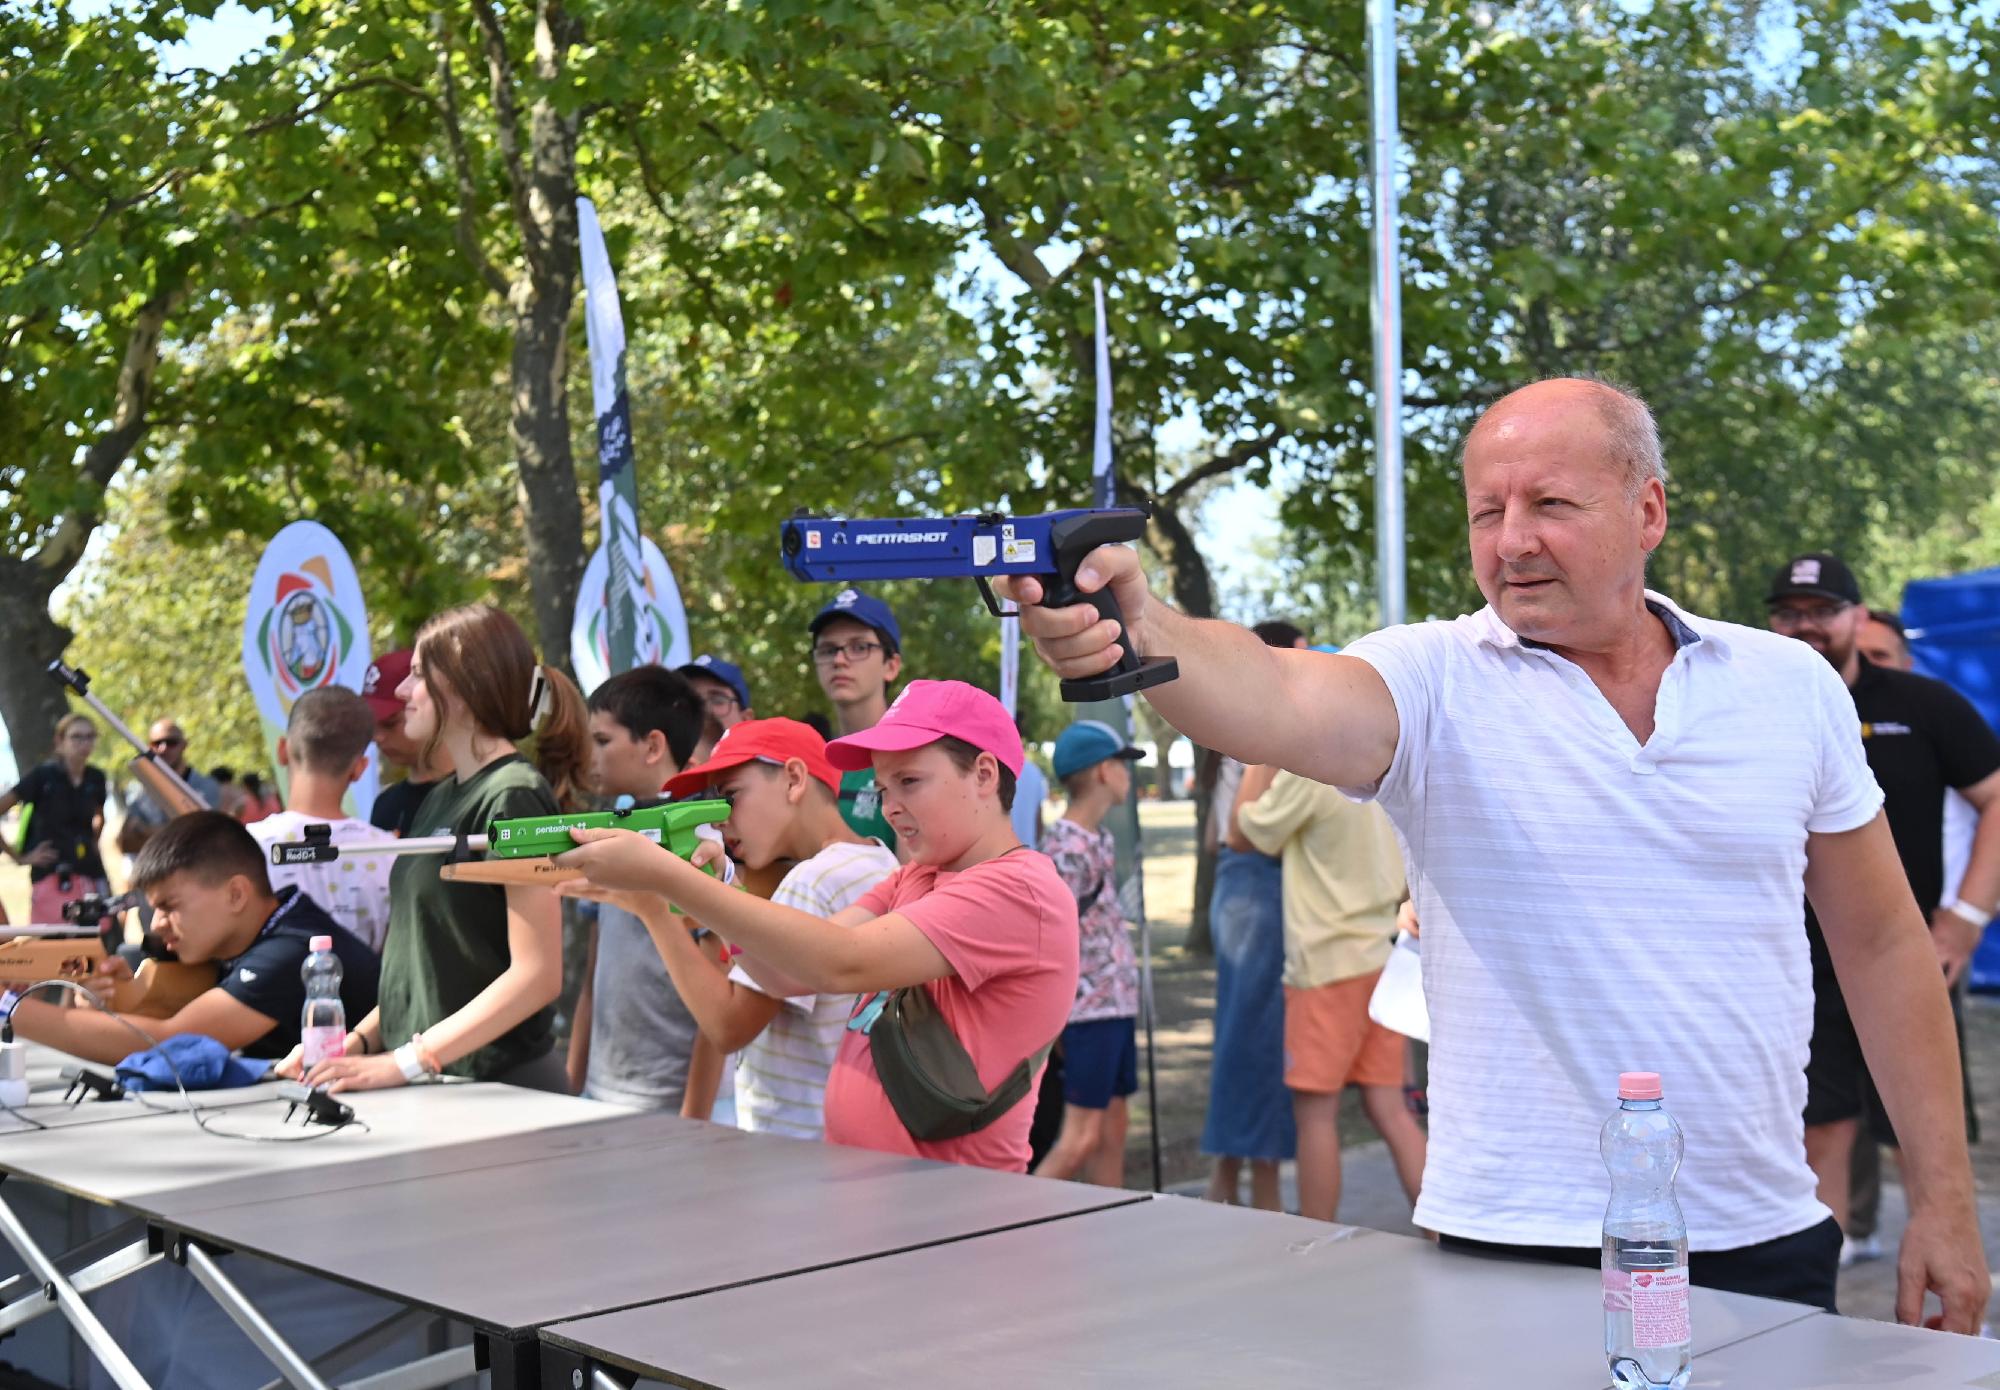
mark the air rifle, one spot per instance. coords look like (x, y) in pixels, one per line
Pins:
(168, 788)
(518, 851)
(840, 550)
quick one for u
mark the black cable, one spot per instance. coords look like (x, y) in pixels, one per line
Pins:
(28, 1120)
(151, 1043)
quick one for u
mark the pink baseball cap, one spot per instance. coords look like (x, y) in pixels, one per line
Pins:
(927, 711)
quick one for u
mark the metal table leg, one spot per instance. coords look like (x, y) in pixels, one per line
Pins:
(59, 1288)
(296, 1370)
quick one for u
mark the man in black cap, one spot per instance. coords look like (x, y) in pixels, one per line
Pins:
(1921, 736)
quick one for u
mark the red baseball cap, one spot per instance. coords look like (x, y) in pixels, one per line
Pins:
(759, 740)
(927, 711)
(385, 674)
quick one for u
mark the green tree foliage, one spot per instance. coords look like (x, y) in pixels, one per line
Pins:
(196, 270)
(856, 244)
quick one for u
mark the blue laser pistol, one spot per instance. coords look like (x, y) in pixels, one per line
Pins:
(844, 550)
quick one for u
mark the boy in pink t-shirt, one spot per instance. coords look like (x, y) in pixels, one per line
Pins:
(981, 921)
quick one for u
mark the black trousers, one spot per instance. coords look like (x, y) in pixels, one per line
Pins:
(1799, 1268)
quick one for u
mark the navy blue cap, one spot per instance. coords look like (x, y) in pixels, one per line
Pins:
(865, 609)
(715, 668)
(1087, 743)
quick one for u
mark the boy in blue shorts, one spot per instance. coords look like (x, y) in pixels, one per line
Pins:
(1100, 1045)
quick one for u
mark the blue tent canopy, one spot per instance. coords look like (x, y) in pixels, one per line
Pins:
(1954, 629)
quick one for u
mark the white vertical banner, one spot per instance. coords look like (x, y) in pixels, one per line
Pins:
(630, 638)
(305, 628)
(663, 629)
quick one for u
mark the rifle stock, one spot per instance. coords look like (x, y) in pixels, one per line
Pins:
(541, 871)
(165, 785)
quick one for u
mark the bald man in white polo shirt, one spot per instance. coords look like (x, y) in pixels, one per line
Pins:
(1609, 807)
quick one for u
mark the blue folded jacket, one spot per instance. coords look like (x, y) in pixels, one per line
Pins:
(203, 1063)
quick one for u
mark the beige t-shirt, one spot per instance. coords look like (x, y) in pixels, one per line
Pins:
(1343, 877)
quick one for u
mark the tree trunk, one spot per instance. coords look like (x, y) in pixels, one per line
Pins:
(1194, 594)
(538, 149)
(539, 428)
(30, 700)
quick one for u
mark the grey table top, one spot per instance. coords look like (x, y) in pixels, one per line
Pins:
(1829, 1353)
(659, 1208)
(47, 1107)
(151, 1152)
(1170, 1294)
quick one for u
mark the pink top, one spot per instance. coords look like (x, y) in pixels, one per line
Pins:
(1638, 1085)
(1008, 928)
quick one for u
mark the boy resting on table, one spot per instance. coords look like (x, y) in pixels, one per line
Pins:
(213, 903)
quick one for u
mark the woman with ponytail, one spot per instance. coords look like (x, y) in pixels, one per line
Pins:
(470, 972)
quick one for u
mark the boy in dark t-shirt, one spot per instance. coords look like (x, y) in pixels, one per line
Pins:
(213, 903)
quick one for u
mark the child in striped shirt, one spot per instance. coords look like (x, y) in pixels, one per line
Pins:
(784, 805)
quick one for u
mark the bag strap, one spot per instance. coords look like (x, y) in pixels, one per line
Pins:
(1010, 1091)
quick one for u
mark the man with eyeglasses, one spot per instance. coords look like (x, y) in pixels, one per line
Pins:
(1921, 737)
(144, 815)
(857, 655)
(725, 700)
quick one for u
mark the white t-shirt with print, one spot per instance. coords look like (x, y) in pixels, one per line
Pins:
(354, 889)
(1591, 905)
(781, 1073)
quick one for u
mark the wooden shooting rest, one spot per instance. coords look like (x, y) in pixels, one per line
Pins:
(158, 989)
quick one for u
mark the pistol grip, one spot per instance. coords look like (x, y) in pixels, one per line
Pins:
(1071, 540)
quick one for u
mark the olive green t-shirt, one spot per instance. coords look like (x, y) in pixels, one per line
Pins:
(861, 807)
(448, 941)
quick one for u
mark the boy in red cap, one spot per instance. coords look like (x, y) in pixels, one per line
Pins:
(981, 922)
(784, 804)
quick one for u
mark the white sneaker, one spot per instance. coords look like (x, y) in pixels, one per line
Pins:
(1854, 1252)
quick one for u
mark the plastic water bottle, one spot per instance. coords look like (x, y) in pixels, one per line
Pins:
(1646, 1333)
(323, 1027)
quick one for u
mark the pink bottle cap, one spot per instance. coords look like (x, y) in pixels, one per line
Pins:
(325, 943)
(1638, 1085)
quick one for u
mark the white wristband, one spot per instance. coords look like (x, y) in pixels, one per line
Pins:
(412, 1065)
(1965, 911)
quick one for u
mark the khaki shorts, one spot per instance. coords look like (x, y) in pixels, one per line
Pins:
(1331, 1043)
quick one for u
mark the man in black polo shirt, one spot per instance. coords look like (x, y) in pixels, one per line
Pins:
(213, 903)
(1921, 737)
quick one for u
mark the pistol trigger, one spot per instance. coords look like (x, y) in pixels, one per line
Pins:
(986, 592)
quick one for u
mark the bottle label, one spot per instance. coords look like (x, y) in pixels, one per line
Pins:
(322, 1044)
(1657, 1299)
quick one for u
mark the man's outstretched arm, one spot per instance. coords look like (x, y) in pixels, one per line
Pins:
(1326, 717)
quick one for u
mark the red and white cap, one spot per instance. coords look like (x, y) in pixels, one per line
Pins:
(759, 740)
(385, 675)
(927, 711)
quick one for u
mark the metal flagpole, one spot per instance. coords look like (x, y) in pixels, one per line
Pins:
(1389, 561)
(1118, 714)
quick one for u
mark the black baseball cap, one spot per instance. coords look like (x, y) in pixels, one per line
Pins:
(1817, 575)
